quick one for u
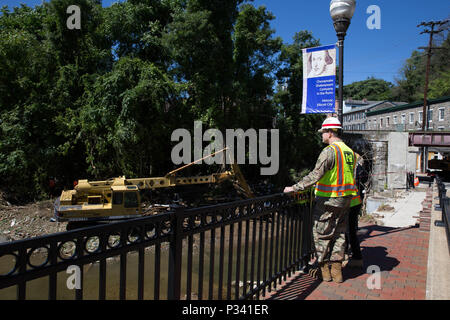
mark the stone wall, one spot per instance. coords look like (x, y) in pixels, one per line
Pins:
(379, 167)
(391, 158)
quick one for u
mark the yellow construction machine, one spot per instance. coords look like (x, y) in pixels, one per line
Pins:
(120, 198)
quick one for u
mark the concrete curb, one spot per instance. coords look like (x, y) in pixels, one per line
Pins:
(438, 266)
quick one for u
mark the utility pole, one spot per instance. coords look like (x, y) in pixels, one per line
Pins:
(430, 47)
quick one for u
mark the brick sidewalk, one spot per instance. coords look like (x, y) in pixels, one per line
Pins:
(400, 253)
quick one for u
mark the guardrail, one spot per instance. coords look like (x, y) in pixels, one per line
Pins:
(444, 203)
(241, 249)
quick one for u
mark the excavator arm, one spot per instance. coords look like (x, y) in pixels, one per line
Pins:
(118, 198)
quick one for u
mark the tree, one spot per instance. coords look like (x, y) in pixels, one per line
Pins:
(410, 85)
(103, 100)
(44, 69)
(254, 56)
(440, 87)
(370, 89)
(125, 126)
(300, 139)
(412, 80)
(135, 28)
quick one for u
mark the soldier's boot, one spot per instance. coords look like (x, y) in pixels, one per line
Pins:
(336, 271)
(325, 270)
(313, 272)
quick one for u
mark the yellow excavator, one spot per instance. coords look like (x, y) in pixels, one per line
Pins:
(119, 198)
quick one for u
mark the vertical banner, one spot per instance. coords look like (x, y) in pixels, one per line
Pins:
(319, 79)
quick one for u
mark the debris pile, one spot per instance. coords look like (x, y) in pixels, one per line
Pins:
(33, 220)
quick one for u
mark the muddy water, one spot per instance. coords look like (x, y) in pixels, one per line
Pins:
(38, 289)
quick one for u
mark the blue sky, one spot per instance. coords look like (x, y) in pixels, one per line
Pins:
(379, 53)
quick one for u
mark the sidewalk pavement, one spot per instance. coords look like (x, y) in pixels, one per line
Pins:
(438, 278)
(406, 209)
(396, 252)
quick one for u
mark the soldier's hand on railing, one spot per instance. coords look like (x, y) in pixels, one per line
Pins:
(288, 189)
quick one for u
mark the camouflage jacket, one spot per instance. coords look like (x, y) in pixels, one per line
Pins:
(324, 163)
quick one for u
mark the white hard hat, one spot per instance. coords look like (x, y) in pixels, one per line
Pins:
(331, 123)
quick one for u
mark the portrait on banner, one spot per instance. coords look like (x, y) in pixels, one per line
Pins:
(319, 79)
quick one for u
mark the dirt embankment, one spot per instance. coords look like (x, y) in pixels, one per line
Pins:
(33, 220)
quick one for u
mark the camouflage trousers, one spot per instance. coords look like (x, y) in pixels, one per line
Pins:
(330, 224)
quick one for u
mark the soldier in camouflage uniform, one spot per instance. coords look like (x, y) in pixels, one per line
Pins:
(335, 188)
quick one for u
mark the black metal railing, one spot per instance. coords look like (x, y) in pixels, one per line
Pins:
(444, 204)
(237, 250)
(445, 219)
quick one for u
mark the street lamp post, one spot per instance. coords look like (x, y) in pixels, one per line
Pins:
(341, 12)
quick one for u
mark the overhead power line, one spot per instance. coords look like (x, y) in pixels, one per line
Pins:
(429, 49)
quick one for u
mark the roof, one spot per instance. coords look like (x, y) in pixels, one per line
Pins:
(361, 102)
(373, 104)
(408, 106)
(386, 105)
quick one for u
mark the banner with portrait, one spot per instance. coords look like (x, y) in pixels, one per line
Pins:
(319, 79)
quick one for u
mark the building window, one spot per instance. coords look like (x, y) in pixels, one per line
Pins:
(395, 120)
(441, 128)
(381, 123)
(430, 115)
(403, 118)
(441, 114)
(387, 122)
(420, 116)
(411, 118)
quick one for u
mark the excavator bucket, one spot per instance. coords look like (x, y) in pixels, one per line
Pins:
(240, 183)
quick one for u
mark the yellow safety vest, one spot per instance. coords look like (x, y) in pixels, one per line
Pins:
(340, 181)
(355, 201)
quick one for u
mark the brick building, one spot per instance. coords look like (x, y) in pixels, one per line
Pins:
(355, 113)
(409, 117)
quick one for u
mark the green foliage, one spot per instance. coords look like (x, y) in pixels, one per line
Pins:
(127, 112)
(410, 86)
(370, 89)
(301, 144)
(103, 101)
(440, 87)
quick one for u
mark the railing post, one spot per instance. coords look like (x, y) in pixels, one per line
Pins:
(175, 254)
(307, 238)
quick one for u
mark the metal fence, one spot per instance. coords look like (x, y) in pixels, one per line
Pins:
(444, 203)
(237, 250)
